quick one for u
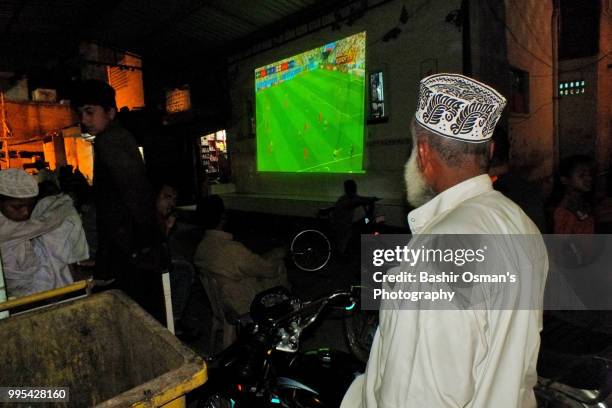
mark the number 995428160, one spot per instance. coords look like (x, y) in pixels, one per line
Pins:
(34, 394)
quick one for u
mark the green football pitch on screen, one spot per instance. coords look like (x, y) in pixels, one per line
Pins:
(310, 110)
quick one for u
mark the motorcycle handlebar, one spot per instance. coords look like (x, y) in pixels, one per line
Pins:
(319, 305)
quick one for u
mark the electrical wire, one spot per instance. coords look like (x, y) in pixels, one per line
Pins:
(530, 114)
(608, 54)
(411, 15)
(587, 65)
(518, 12)
(514, 37)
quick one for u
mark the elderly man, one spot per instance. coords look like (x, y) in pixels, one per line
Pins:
(473, 357)
(38, 240)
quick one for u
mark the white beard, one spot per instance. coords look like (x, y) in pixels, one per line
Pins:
(417, 190)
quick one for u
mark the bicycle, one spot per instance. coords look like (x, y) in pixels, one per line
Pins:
(311, 249)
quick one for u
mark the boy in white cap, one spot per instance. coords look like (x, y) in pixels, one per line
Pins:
(18, 191)
(483, 357)
(38, 240)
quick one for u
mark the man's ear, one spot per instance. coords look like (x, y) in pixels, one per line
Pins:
(423, 154)
(428, 162)
(112, 112)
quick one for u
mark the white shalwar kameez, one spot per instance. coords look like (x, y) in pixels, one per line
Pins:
(36, 253)
(459, 358)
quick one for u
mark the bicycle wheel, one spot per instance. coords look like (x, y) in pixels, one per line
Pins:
(310, 250)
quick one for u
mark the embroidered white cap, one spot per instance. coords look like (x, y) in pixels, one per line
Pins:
(459, 107)
(16, 183)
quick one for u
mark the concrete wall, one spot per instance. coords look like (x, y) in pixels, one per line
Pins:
(425, 36)
(79, 154)
(578, 113)
(54, 151)
(517, 34)
(529, 39)
(98, 62)
(32, 121)
(489, 46)
(604, 98)
(585, 120)
(130, 92)
(49, 152)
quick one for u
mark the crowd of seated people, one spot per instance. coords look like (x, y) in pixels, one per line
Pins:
(42, 239)
(47, 226)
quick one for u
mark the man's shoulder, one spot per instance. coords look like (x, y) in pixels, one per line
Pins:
(487, 213)
(115, 134)
(116, 128)
(217, 239)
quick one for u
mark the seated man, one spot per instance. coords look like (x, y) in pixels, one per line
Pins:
(240, 274)
(343, 214)
(181, 269)
(38, 241)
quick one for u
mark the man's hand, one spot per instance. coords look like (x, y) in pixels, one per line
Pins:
(170, 222)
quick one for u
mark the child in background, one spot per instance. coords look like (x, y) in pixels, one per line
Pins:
(603, 212)
(573, 214)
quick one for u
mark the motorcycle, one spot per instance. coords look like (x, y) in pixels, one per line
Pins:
(264, 367)
(581, 382)
(574, 366)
